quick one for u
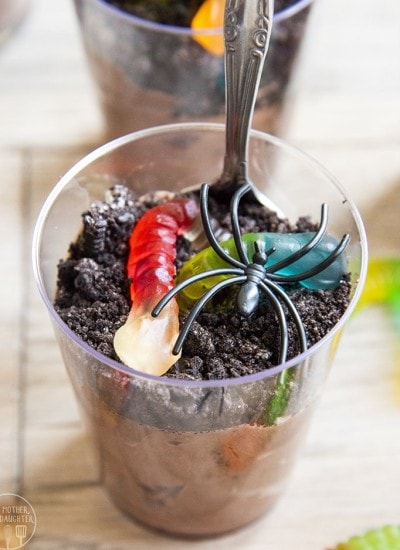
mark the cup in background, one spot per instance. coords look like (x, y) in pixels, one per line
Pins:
(148, 74)
(193, 458)
(11, 14)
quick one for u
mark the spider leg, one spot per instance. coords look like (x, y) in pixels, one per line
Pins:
(193, 279)
(292, 310)
(285, 375)
(282, 321)
(208, 230)
(307, 247)
(235, 222)
(200, 305)
(341, 247)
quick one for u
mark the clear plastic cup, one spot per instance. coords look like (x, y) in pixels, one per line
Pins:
(148, 74)
(193, 458)
(12, 13)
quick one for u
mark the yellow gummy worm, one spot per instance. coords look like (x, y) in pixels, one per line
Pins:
(383, 282)
(382, 287)
(210, 15)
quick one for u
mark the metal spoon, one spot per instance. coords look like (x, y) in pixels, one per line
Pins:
(247, 31)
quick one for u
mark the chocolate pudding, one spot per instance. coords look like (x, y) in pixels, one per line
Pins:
(196, 483)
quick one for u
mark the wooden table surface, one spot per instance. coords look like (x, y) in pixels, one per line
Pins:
(347, 114)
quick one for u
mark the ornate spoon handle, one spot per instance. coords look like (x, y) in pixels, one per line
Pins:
(247, 30)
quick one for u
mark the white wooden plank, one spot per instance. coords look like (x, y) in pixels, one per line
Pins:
(11, 296)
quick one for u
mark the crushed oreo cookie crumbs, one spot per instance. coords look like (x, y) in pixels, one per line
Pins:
(92, 294)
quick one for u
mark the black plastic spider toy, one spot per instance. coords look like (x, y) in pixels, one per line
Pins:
(254, 274)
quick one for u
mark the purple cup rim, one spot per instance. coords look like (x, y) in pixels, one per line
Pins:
(173, 29)
(167, 128)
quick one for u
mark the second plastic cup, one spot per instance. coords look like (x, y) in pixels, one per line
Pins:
(193, 458)
(149, 74)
